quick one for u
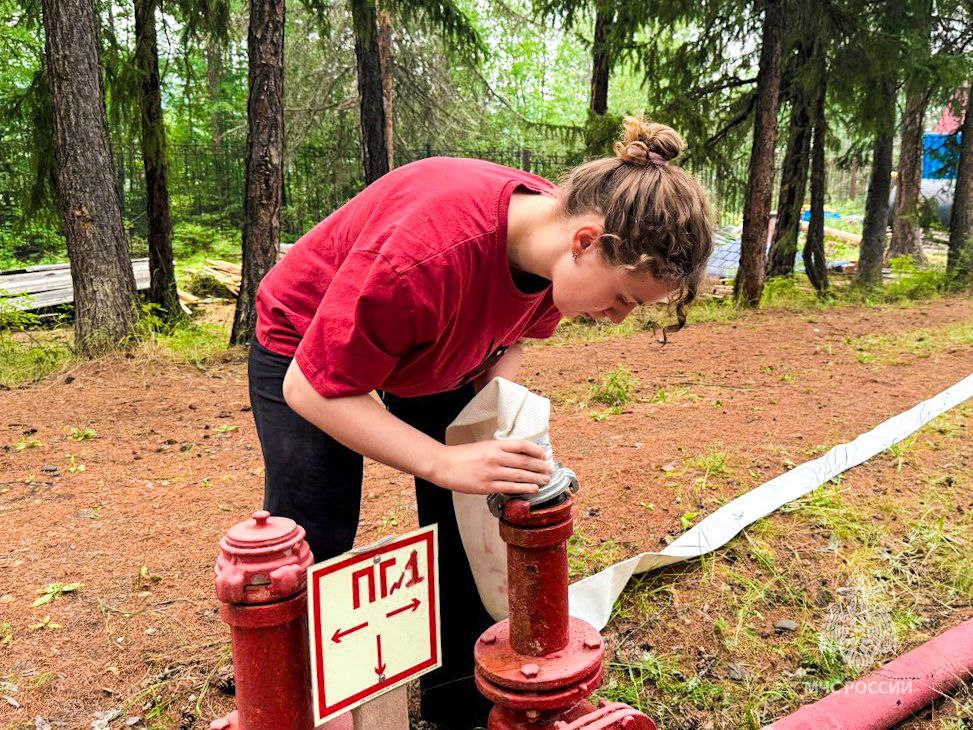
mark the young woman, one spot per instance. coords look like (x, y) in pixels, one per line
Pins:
(421, 288)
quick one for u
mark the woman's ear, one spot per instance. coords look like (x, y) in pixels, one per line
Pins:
(587, 236)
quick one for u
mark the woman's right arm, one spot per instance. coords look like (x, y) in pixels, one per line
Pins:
(362, 423)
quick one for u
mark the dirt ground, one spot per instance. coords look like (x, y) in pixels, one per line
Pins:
(162, 458)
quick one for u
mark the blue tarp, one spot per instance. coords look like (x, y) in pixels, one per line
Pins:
(726, 257)
(829, 215)
(940, 156)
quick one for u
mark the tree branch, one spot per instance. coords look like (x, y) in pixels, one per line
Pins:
(732, 124)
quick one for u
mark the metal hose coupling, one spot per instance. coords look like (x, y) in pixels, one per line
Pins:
(562, 481)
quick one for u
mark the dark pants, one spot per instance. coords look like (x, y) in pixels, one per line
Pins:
(317, 482)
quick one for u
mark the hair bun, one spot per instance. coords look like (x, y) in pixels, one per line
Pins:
(645, 143)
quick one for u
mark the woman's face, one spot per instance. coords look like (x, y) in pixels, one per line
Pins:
(585, 284)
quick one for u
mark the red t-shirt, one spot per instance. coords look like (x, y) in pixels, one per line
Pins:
(407, 287)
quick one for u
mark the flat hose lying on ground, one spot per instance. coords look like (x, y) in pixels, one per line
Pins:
(506, 410)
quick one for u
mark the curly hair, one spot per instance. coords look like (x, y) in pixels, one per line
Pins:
(657, 216)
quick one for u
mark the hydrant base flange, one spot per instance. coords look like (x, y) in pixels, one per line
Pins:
(552, 700)
(501, 665)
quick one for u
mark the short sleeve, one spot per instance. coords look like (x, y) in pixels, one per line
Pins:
(363, 327)
(544, 327)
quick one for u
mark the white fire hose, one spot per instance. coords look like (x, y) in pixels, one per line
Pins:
(506, 410)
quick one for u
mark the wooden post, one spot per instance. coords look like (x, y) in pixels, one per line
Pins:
(389, 711)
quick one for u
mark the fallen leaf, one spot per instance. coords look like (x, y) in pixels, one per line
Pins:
(44, 623)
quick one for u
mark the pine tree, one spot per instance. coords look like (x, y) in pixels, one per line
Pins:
(371, 90)
(162, 288)
(960, 261)
(794, 169)
(749, 282)
(101, 270)
(815, 263)
(372, 25)
(264, 165)
(875, 225)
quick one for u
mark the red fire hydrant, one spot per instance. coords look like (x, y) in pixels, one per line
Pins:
(539, 665)
(261, 577)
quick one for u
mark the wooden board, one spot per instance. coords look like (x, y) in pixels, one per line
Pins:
(47, 285)
(37, 287)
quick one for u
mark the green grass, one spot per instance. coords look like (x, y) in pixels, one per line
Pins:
(826, 508)
(616, 389)
(193, 244)
(28, 358)
(912, 284)
(194, 343)
(789, 292)
(661, 686)
(712, 463)
(578, 331)
(920, 343)
(587, 556)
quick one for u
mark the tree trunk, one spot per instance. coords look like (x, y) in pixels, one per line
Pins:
(906, 237)
(265, 153)
(815, 264)
(162, 290)
(749, 283)
(875, 225)
(214, 79)
(375, 156)
(793, 184)
(385, 52)
(101, 269)
(960, 261)
(601, 60)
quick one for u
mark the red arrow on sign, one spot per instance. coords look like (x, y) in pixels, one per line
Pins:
(380, 669)
(338, 634)
(407, 607)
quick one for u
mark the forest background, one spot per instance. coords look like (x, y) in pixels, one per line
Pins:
(781, 102)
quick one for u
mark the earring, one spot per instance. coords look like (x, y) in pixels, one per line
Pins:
(575, 255)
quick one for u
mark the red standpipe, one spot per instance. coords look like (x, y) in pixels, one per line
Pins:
(539, 665)
(892, 694)
(261, 576)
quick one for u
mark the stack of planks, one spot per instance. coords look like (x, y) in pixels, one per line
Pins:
(47, 285)
(36, 287)
(227, 273)
(224, 272)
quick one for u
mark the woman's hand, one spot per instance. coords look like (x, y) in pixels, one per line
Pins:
(361, 423)
(511, 466)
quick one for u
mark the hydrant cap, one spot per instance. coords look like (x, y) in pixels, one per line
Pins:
(262, 560)
(261, 531)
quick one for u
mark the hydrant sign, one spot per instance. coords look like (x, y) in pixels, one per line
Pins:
(373, 617)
